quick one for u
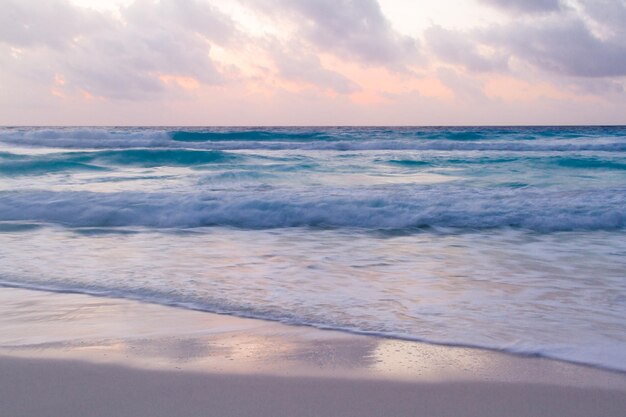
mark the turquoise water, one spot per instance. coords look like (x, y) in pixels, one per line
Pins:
(504, 238)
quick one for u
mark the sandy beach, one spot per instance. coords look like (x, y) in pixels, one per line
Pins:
(312, 208)
(77, 355)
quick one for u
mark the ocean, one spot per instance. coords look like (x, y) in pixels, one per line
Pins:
(505, 238)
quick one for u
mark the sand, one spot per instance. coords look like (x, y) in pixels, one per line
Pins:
(75, 355)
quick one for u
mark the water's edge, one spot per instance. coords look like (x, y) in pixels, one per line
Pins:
(185, 306)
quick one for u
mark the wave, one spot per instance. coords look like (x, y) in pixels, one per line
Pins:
(247, 135)
(435, 206)
(364, 145)
(409, 162)
(15, 165)
(543, 161)
(159, 157)
(609, 359)
(590, 163)
(338, 139)
(105, 160)
(84, 137)
(304, 134)
(430, 160)
(30, 167)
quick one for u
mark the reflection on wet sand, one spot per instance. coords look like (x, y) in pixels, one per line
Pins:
(72, 326)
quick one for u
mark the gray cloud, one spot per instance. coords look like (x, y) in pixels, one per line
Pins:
(582, 48)
(583, 42)
(525, 6)
(459, 48)
(609, 14)
(594, 86)
(464, 88)
(123, 59)
(354, 29)
(28, 23)
(189, 16)
(303, 66)
(563, 45)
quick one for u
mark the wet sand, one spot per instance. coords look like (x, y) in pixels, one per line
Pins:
(76, 355)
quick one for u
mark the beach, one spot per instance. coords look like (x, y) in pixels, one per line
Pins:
(305, 271)
(74, 355)
(315, 208)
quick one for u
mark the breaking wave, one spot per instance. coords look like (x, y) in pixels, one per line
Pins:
(442, 206)
(445, 139)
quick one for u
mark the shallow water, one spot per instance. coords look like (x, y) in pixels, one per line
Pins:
(506, 238)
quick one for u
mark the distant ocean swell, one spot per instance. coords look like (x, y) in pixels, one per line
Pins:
(338, 140)
(18, 165)
(377, 208)
(15, 164)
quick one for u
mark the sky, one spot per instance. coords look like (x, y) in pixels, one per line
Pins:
(312, 62)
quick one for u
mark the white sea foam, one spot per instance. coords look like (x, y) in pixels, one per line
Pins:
(374, 208)
(528, 293)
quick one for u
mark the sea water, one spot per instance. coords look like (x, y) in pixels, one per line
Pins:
(508, 238)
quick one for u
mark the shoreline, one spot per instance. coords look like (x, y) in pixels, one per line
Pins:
(94, 351)
(313, 327)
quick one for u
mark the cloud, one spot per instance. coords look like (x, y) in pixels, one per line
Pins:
(154, 39)
(122, 58)
(189, 16)
(279, 59)
(596, 86)
(459, 48)
(465, 89)
(608, 15)
(583, 42)
(31, 23)
(350, 29)
(303, 66)
(562, 45)
(525, 6)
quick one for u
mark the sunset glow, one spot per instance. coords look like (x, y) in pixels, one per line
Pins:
(242, 62)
